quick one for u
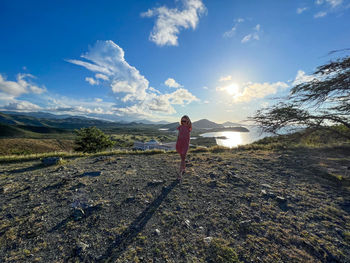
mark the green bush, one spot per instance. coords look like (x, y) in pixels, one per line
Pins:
(92, 140)
(220, 252)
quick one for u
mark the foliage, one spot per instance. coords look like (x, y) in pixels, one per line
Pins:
(92, 140)
(321, 101)
(220, 252)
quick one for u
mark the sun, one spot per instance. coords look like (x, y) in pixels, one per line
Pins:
(232, 89)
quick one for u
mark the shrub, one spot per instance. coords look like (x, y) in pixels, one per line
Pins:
(92, 140)
(220, 252)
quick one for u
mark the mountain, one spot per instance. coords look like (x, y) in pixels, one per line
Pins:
(71, 122)
(231, 124)
(144, 121)
(206, 124)
(40, 115)
(171, 126)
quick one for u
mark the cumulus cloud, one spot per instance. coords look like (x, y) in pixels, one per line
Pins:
(170, 82)
(332, 3)
(255, 35)
(19, 87)
(250, 91)
(233, 30)
(106, 60)
(320, 14)
(169, 22)
(302, 77)
(21, 106)
(300, 10)
(329, 6)
(101, 76)
(225, 78)
(91, 81)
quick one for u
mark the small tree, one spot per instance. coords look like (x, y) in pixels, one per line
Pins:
(322, 102)
(92, 140)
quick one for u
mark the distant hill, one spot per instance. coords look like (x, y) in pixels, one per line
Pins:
(170, 126)
(41, 115)
(202, 125)
(206, 124)
(144, 121)
(71, 122)
(231, 124)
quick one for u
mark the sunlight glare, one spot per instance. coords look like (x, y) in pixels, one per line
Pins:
(232, 89)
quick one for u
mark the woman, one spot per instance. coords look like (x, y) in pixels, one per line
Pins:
(183, 142)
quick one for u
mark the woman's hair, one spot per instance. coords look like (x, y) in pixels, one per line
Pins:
(189, 123)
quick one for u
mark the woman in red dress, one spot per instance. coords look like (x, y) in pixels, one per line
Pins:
(183, 142)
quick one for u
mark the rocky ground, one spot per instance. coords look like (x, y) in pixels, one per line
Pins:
(241, 206)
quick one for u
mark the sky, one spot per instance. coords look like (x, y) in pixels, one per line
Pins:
(158, 60)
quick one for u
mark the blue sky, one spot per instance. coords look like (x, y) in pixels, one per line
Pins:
(128, 60)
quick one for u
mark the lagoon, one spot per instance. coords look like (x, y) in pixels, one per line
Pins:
(232, 139)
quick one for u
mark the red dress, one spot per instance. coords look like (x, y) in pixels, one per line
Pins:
(183, 139)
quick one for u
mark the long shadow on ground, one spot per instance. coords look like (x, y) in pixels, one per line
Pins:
(27, 169)
(123, 240)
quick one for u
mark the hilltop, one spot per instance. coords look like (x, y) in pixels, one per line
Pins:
(237, 205)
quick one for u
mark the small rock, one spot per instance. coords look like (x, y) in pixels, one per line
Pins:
(213, 184)
(208, 240)
(91, 174)
(51, 160)
(257, 218)
(82, 245)
(263, 192)
(155, 182)
(130, 199)
(212, 175)
(201, 229)
(157, 232)
(78, 214)
(266, 185)
(271, 195)
(245, 223)
(187, 223)
(281, 199)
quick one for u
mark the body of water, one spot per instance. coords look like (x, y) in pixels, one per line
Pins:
(233, 139)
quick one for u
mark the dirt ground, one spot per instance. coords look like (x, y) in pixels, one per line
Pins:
(248, 206)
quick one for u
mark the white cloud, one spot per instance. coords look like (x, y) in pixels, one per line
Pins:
(302, 77)
(101, 76)
(320, 14)
(19, 87)
(225, 78)
(106, 58)
(233, 30)
(170, 82)
(205, 87)
(206, 102)
(169, 22)
(91, 81)
(21, 106)
(181, 97)
(334, 3)
(250, 91)
(255, 35)
(154, 90)
(300, 10)
(98, 100)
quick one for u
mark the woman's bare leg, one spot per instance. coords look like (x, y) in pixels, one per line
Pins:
(183, 163)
